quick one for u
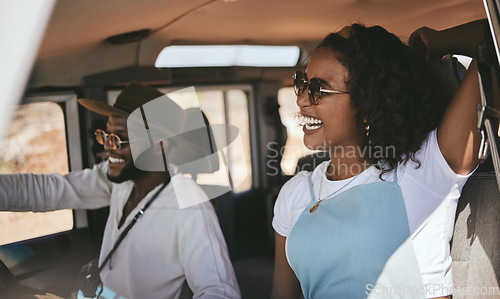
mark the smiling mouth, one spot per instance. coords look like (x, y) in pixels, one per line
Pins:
(310, 123)
(113, 160)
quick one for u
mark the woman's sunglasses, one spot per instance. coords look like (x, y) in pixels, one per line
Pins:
(112, 140)
(300, 84)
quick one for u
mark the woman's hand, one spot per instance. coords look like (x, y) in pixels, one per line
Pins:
(433, 44)
(457, 135)
(422, 43)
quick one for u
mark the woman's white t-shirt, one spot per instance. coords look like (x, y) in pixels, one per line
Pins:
(430, 193)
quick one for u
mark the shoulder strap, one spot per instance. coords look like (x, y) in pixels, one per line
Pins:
(127, 229)
(395, 179)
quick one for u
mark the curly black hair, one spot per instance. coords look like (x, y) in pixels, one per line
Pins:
(394, 91)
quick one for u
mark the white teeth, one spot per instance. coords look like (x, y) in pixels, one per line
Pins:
(308, 127)
(310, 122)
(115, 160)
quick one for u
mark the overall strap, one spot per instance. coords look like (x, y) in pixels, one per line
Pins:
(311, 190)
(395, 179)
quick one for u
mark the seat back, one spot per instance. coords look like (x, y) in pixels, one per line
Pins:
(476, 240)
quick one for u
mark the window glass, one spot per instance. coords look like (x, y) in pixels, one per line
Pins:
(34, 143)
(238, 116)
(226, 106)
(221, 105)
(294, 148)
(212, 104)
(228, 55)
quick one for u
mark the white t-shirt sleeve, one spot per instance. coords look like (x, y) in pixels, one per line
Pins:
(434, 170)
(428, 186)
(292, 199)
(431, 194)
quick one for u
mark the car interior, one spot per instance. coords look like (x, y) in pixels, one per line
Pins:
(91, 49)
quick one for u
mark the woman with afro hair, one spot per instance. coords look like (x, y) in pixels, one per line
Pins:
(376, 220)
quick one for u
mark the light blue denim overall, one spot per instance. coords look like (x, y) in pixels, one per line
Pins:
(342, 248)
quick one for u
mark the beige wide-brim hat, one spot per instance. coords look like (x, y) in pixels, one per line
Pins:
(165, 119)
(133, 96)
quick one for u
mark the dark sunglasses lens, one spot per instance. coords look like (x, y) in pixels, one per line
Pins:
(99, 136)
(299, 83)
(314, 91)
(114, 141)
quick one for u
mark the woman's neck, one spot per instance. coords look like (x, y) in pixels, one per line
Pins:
(344, 166)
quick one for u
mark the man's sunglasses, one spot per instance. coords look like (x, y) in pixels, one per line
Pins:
(300, 84)
(111, 140)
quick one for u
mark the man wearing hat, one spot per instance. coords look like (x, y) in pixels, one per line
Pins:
(167, 246)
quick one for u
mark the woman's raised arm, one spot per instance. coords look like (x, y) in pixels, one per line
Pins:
(457, 136)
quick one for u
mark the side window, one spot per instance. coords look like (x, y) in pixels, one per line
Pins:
(223, 105)
(230, 106)
(237, 115)
(294, 148)
(35, 142)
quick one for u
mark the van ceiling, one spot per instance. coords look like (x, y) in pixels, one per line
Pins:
(74, 45)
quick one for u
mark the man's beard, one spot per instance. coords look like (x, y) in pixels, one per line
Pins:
(129, 172)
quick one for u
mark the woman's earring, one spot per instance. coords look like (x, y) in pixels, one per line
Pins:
(367, 128)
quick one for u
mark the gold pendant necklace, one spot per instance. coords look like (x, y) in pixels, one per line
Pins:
(315, 207)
